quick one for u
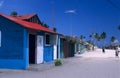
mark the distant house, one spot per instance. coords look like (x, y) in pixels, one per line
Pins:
(73, 45)
(61, 46)
(112, 46)
(23, 40)
(82, 48)
(67, 47)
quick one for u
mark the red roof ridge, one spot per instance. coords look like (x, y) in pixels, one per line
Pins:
(29, 25)
(25, 16)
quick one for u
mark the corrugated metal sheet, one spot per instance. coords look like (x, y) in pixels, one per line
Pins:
(25, 17)
(28, 25)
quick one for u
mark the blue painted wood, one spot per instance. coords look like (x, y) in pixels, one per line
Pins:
(14, 46)
(48, 53)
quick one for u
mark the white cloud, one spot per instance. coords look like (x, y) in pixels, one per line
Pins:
(1, 3)
(72, 11)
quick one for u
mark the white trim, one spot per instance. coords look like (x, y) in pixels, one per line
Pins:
(45, 40)
(55, 51)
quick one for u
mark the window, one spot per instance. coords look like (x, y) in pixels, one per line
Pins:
(0, 38)
(47, 38)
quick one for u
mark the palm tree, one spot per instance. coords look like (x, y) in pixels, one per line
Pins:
(97, 37)
(103, 36)
(14, 13)
(92, 36)
(82, 37)
(113, 39)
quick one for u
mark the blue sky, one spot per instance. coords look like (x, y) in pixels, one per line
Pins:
(76, 17)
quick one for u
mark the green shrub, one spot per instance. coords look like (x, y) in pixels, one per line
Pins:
(58, 62)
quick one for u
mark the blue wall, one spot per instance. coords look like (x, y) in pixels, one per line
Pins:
(14, 45)
(48, 53)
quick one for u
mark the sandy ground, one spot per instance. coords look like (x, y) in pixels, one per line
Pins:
(99, 53)
(88, 65)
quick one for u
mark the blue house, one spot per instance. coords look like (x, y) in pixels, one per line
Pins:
(23, 40)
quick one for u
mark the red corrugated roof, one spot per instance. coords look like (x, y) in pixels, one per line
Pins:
(25, 17)
(28, 25)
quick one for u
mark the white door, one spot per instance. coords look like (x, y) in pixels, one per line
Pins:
(39, 49)
(55, 51)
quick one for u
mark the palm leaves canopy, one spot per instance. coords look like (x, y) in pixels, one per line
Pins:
(97, 36)
(14, 13)
(82, 37)
(103, 35)
(113, 39)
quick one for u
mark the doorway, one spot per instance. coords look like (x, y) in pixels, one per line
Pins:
(31, 49)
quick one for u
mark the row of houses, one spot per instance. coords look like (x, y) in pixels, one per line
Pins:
(24, 41)
(112, 46)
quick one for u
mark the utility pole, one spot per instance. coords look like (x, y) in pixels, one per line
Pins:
(71, 30)
(52, 14)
